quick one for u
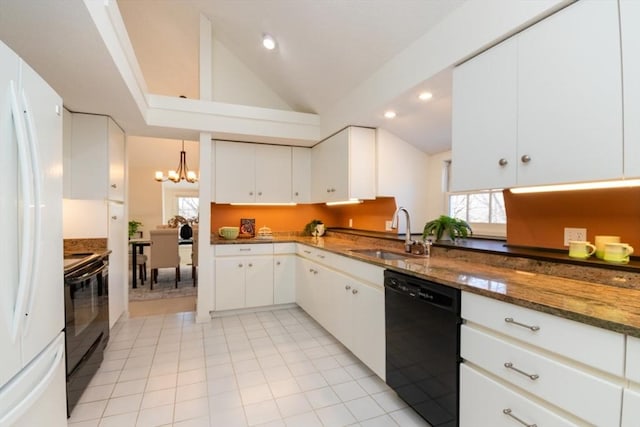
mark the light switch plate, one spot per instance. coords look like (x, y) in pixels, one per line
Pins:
(574, 234)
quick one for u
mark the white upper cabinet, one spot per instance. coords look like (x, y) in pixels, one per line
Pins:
(252, 173)
(94, 167)
(484, 122)
(568, 104)
(343, 166)
(630, 31)
(301, 175)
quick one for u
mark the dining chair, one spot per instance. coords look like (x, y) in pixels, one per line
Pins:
(194, 256)
(141, 265)
(164, 252)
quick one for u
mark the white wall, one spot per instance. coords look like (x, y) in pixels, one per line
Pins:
(402, 173)
(235, 83)
(434, 186)
(84, 219)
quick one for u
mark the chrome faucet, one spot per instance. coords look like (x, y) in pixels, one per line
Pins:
(394, 225)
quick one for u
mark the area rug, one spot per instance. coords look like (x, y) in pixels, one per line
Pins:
(165, 288)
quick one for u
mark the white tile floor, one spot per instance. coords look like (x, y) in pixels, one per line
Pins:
(277, 368)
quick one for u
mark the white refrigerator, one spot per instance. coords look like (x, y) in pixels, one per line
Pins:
(32, 368)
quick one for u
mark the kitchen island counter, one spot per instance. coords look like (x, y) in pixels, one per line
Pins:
(602, 297)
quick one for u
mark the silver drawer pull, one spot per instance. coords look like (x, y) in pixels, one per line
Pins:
(321, 256)
(347, 287)
(509, 412)
(510, 320)
(533, 377)
(307, 252)
(245, 249)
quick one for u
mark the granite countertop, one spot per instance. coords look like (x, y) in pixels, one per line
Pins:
(610, 300)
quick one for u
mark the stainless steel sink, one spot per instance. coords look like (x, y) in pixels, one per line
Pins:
(383, 254)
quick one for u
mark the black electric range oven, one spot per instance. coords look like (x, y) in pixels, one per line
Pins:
(86, 304)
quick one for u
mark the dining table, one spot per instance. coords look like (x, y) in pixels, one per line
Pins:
(137, 247)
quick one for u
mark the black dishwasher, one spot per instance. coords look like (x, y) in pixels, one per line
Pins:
(423, 346)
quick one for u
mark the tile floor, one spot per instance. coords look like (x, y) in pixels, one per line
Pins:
(276, 368)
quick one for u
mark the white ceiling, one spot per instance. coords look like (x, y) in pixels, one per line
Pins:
(326, 48)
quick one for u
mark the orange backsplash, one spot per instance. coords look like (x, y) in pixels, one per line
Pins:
(539, 219)
(369, 215)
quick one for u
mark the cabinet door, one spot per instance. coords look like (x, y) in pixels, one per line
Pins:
(630, 31)
(89, 157)
(484, 120)
(273, 173)
(259, 281)
(118, 265)
(369, 343)
(361, 166)
(483, 402)
(301, 175)
(319, 184)
(284, 291)
(630, 408)
(336, 166)
(570, 96)
(235, 172)
(304, 278)
(230, 288)
(116, 162)
(340, 318)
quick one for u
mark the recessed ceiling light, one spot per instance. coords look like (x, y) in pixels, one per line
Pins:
(425, 96)
(268, 42)
(390, 114)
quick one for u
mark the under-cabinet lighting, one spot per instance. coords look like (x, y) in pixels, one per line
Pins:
(264, 204)
(578, 186)
(344, 202)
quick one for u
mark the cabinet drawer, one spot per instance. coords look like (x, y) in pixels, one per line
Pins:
(495, 399)
(593, 346)
(284, 248)
(633, 359)
(248, 249)
(588, 397)
(630, 408)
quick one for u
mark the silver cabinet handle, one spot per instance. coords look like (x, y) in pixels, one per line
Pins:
(509, 412)
(114, 186)
(296, 194)
(307, 252)
(277, 262)
(321, 256)
(525, 158)
(503, 162)
(250, 265)
(532, 377)
(259, 193)
(251, 193)
(114, 217)
(239, 265)
(245, 249)
(347, 287)
(534, 328)
(355, 291)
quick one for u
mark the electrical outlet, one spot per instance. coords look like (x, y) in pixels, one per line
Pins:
(387, 225)
(574, 234)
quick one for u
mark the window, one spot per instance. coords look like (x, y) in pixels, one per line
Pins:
(483, 210)
(188, 207)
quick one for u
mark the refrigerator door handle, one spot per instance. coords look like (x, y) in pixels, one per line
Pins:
(32, 149)
(13, 402)
(26, 253)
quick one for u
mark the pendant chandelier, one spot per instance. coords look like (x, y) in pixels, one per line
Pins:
(182, 173)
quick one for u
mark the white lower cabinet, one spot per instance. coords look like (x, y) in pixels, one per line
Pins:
(284, 271)
(347, 298)
(630, 408)
(243, 276)
(486, 402)
(520, 350)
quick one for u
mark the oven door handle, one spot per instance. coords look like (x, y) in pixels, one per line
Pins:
(85, 276)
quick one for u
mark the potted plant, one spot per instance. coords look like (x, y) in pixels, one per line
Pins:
(133, 227)
(446, 228)
(311, 227)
